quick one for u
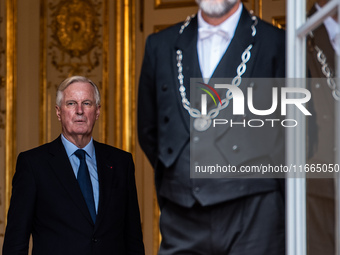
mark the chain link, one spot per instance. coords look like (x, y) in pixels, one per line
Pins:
(326, 70)
(186, 23)
(236, 81)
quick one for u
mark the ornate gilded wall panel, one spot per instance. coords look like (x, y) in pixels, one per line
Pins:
(74, 39)
(2, 121)
(2, 79)
(125, 91)
(7, 105)
(74, 43)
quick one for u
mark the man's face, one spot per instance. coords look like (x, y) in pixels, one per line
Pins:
(216, 8)
(78, 110)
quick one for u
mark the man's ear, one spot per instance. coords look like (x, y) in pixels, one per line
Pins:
(58, 112)
(98, 111)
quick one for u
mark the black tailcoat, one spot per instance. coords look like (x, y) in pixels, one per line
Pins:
(164, 125)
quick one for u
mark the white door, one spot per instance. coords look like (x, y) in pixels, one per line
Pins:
(298, 28)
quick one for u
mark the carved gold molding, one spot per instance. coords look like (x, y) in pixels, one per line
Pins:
(260, 9)
(104, 119)
(74, 35)
(10, 126)
(125, 90)
(2, 84)
(75, 43)
(43, 131)
(2, 122)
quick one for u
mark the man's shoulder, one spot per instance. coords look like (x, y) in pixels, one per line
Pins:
(42, 153)
(266, 29)
(270, 36)
(111, 149)
(262, 27)
(169, 33)
(171, 30)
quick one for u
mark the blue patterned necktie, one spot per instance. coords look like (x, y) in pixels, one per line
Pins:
(85, 184)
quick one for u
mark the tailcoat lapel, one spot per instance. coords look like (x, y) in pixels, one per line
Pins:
(187, 43)
(232, 57)
(62, 168)
(227, 68)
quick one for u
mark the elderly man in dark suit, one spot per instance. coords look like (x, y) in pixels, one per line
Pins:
(221, 215)
(74, 195)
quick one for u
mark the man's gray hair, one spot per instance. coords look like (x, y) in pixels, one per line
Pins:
(67, 82)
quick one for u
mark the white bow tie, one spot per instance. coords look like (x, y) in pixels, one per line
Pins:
(204, 32)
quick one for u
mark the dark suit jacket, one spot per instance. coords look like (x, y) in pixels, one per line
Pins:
(163, 123)
(47, 202)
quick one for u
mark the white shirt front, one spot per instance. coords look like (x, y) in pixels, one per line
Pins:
(212, 46)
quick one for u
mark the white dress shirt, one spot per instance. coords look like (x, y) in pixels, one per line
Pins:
(213, 41)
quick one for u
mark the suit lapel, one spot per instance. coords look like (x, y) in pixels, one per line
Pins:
(106, 172)
(62, 168)
(232, 57)
(187, 43)
(227, 68)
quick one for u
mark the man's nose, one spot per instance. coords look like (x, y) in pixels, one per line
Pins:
(79, 109)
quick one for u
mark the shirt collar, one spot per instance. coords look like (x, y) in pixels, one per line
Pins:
(229, 25)
(71, 148)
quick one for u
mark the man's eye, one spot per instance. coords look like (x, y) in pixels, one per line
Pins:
(70, 103)
(87, 103)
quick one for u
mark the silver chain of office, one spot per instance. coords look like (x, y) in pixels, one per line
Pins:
(203, 122)
(322, 59)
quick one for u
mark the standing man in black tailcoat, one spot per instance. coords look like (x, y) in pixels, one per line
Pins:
(223, 215)
(322, 44)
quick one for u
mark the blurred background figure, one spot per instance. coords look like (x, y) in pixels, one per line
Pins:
(322, 45)
(212, 216)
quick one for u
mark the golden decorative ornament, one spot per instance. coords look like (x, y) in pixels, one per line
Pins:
(75, 27)
(76, 36)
